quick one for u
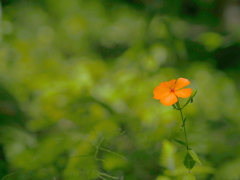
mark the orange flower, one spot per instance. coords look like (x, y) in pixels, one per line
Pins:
(169, 92)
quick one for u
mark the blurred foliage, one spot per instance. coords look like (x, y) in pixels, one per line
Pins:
(77, 80)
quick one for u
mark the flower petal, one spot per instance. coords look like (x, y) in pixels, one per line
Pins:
(181, 82)
(184, 93)
(168, 84)
(160, 92)
(169, 99)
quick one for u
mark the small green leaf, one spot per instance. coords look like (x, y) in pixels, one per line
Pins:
(180, 142)
(184, 122)
(194, 156)
(189, 162)
(189, 176)
(174, 107)
(177, 105)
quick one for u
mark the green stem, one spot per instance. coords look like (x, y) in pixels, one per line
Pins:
(184, 127)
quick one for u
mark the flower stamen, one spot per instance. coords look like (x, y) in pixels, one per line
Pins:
(172, 90)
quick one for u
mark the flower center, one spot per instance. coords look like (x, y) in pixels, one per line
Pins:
(172, 90)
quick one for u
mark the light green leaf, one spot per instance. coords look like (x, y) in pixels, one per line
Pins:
(194, 156)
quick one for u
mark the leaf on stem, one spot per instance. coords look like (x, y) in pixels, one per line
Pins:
(194, 156)
(174, 106)
(184, 122)
(189, 162)
(180, 142)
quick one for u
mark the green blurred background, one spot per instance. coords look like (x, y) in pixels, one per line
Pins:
(76, 83)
